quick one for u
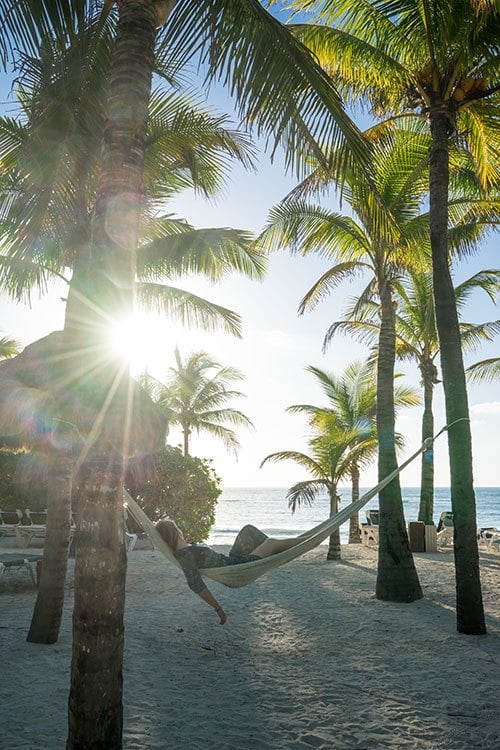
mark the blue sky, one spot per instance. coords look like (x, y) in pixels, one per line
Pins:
(277, 344)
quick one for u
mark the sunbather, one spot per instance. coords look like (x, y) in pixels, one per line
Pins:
(250, 544)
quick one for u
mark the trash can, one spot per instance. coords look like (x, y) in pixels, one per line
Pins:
(416, 534)
(430, 538)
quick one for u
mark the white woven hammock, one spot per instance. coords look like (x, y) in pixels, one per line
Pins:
(243, 573)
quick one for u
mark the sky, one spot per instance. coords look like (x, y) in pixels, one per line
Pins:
(277, 345)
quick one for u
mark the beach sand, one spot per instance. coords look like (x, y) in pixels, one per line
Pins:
(308, 659)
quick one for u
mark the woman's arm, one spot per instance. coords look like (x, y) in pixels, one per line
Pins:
(207, 597)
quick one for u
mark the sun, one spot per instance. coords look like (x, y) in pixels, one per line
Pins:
(141, 341)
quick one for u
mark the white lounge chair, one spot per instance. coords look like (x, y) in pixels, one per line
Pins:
(445, 529)
(9, 521)
(489, 538)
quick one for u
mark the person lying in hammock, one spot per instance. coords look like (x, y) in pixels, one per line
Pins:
(250, 544)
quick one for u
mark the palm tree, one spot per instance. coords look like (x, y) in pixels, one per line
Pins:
(332, 453)
(417, 340)
(52, 160)
(352, 399)
(52, 166)
(8, 347)
(377, 240)
(294, 104)
(434, 61)
(194, 398)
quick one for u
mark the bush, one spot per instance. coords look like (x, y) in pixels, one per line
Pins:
(185, 488)
(23, 480)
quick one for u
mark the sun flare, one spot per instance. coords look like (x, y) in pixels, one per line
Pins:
(141, 340)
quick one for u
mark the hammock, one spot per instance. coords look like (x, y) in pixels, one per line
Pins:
(243, 573)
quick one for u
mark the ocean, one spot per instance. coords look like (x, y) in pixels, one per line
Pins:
(267, 508)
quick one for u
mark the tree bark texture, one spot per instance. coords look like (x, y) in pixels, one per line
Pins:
(47, 614)
(426, 508)
(334, 552)
(397, 578)
(470, 611)
(354, 532)
(95, 701)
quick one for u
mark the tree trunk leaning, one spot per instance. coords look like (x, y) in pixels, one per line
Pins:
(47, 614)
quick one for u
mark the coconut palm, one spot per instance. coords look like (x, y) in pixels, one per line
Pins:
(378, 240)
(332, 453)
(51, 158)
(352, 399)
(52, 163)
(417, 341)
(435, 61)
(195, 395)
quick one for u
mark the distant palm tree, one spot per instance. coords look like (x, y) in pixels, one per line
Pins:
(417, 340)
(352, 399)
(332, 453)
(194, 398)
(8, 347)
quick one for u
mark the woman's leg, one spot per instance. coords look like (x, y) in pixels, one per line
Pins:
(271, 546)
(247, 540)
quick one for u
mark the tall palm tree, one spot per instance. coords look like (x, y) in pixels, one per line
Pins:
(51, 158)
(435, 61)
(352, 399)
(417, 340)
(195, 395)
(378, 240)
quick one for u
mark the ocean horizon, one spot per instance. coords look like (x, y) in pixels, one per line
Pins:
(267, 508)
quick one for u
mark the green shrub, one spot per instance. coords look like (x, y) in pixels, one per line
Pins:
(23, 480)
(184, 488)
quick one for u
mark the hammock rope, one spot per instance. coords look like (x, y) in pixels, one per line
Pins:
(235, 576)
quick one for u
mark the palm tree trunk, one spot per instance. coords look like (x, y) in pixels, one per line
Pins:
(185, 434)
(48, 610)
(334, 551)
(397, 578)
(95, 701)
(354, 532)
(470, 612)
(426, 509)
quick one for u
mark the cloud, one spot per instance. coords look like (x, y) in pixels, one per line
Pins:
(488, 408)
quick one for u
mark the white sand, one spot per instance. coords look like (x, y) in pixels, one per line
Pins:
(308, 659)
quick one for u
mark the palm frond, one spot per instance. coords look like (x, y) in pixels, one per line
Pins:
(187, 308)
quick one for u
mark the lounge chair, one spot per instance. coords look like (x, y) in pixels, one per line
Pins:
(369, 530)
(134, 533)
(445, 529)
(489, 538)
(33, 526)
(9, 521)
(10, 560)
